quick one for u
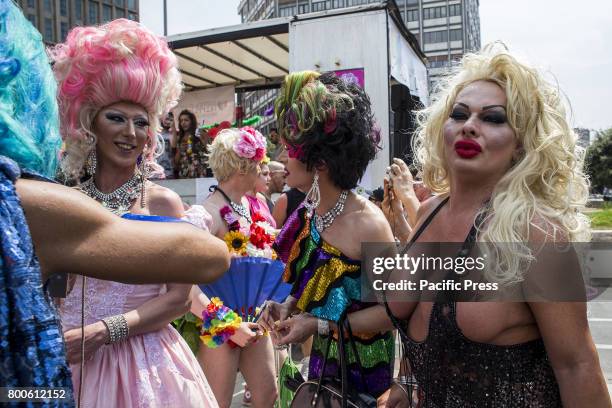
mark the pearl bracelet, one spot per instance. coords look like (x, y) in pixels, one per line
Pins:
(117, 328)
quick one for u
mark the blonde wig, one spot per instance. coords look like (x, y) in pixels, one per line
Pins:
(545, 188)
(223, 159)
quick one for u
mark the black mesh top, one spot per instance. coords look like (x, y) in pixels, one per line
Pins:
(453, 371)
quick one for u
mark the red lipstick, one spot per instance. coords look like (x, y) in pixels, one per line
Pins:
(467, 148)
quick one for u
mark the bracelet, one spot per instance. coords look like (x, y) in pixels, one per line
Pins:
(117, 328)
(406, 380)
(322, 327)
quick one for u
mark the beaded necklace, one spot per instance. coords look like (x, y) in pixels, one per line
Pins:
(118, 201)
(240, 209)
(322, 222)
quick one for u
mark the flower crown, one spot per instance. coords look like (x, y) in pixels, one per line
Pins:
(251, 144)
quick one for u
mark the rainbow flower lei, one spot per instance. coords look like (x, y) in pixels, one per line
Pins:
(219, 323)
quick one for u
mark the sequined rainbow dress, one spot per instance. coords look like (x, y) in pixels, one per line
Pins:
(327, 283)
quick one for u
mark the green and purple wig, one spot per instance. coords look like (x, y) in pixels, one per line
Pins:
(29, 127)
(324, 120)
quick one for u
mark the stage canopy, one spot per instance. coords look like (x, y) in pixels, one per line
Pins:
(251, 55)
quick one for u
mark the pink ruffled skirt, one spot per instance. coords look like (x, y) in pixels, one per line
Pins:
(151, 370)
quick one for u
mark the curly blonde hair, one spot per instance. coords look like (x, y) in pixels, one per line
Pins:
(544, 189)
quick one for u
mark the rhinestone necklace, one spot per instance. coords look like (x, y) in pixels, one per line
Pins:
(118, 201)
(322, 222)
(238, 208)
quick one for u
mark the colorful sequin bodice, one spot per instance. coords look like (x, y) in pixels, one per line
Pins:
(32, 350)
(327, 284)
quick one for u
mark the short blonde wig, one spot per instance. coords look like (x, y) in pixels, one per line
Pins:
(223, 159)
(545, 188)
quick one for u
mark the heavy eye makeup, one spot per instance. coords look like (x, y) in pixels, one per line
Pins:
(497, 117)
(119, 118)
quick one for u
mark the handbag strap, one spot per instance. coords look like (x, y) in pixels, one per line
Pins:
(320, 381)
(357, 358)
(343, 363)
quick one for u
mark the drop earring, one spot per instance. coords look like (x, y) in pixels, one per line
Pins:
(313, 197)
(91, 162)
(142, 169)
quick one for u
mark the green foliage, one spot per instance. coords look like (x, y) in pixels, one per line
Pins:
(602, 219)
(188, 326)
(599, 161)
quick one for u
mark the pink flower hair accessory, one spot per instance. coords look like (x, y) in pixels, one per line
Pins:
(251, 144)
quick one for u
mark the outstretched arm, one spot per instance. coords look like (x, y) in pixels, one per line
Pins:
(74, 234)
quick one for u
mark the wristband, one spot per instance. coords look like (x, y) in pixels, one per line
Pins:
(322, 327)
(117, 328)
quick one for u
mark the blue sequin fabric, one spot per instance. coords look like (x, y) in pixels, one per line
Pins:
(32, 352)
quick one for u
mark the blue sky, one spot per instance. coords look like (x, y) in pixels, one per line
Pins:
(570, 41)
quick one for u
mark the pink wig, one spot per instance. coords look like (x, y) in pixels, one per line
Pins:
(101, 65)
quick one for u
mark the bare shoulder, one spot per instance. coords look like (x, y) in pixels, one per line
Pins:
(429, 205)
(213, 205)
(544, 230)
(368, 221)
(281, 200)
(163, 201)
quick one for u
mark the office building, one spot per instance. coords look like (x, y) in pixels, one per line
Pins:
(55, 18)
(444, 29)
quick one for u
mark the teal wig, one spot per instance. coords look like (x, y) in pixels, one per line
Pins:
(29, 125)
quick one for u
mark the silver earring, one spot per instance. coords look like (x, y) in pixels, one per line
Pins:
(92, 162)
(313, 197)
(142, 169)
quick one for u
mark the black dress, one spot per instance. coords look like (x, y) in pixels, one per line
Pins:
(453, 371)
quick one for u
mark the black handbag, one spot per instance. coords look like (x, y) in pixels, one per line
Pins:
(326, 392)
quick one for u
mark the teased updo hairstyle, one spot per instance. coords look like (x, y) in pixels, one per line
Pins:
(98, 66)
(330, 122)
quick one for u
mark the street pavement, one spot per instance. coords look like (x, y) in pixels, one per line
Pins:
(600, 322)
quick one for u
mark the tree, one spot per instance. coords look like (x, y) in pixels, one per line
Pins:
(598, 161)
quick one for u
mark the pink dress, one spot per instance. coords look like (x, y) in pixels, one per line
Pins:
(155, 369)
(257, 205)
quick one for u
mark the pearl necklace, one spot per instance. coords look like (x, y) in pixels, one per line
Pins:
(322, 222)
(118, 201)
